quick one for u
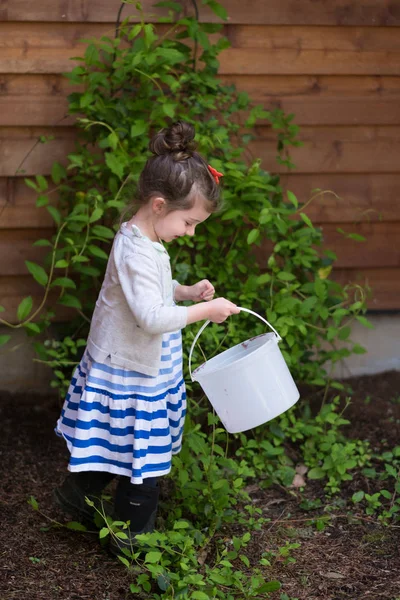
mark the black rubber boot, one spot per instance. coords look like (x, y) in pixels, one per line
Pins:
(136, 503)
(70, 496)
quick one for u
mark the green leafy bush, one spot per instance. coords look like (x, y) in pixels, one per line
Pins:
(130, 87)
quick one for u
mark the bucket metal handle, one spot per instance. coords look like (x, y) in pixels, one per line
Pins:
(202, 328)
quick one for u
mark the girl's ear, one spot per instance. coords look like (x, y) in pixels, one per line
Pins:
(158, 205)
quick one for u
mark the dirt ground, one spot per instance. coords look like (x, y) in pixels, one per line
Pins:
(348, 560)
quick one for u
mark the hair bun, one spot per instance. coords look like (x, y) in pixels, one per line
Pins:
(177, 140)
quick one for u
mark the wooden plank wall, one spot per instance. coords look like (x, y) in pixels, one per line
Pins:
(336, 65)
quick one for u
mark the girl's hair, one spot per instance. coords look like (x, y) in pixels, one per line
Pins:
(177, 172)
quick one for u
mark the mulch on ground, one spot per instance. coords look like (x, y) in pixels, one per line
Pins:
(348, 560)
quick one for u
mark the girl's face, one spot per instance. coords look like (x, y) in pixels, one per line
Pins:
(177, 223)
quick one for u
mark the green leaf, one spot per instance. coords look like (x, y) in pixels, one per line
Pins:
(33, 502)
(24, 308)
(126, 562)
(218, 9)
(264, 278)
(292, 198)
(285, 276)
(42, 242)
(364, 321)
(42, 201)
(152, 557)
(316, 473)
(96, 251)
(114, 164)
(253, 236)
(104, 531)
(138, 128)
(306, 220)
(358, 496)
(64, 282)
(357, 349)
(31, 184)
(199, 596)
(270, 586)
(169, 109)
(71, 301)
(101, 231)
(38, 273)
(75, 526)
(42, 183)
(32, 327)
(344, 333)
(4, 339)
(61, 264)
(58, 173)
(96, 215)
(55, 213)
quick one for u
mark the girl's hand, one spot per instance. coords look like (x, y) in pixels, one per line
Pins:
(220, 309)
(203, 290)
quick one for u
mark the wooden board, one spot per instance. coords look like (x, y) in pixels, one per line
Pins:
(381, 248)
(14, 289)
(285, 12)
(18, 208)
(41, 100)
(355, 110)
(254, 61)
(365, 197)
(20, 152)
(335, 150)
(325, 149)
(262, 86)
(368, 197)
(384, 284)
(16, 247)
(48, 48)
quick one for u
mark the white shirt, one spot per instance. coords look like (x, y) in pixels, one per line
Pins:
(135, 306)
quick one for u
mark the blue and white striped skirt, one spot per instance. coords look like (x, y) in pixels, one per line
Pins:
(122, 421)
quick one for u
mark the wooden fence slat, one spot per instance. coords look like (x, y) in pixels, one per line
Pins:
(260, 86)
(16, 247)
(355, 110)
(292, 37)
(14, 289)
(314, 85)
(292, 62)
(41, 100)
(26, 49)
(384, 284)
(18, 208)
(362, 197)
(34, 111)
(232, 61)
(19, 149)
(285, 12)
(368, 197)
(381, 248)
(325, 149)
(335, 150)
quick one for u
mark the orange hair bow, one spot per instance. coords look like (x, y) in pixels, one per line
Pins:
(215, 173)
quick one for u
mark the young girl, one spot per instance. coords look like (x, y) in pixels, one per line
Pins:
(125, 408)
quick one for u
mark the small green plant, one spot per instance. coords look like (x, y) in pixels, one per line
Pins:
(384, 502)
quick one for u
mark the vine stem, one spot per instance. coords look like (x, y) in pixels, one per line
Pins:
(46, 293)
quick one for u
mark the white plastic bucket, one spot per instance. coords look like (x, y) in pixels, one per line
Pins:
(248, 384)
